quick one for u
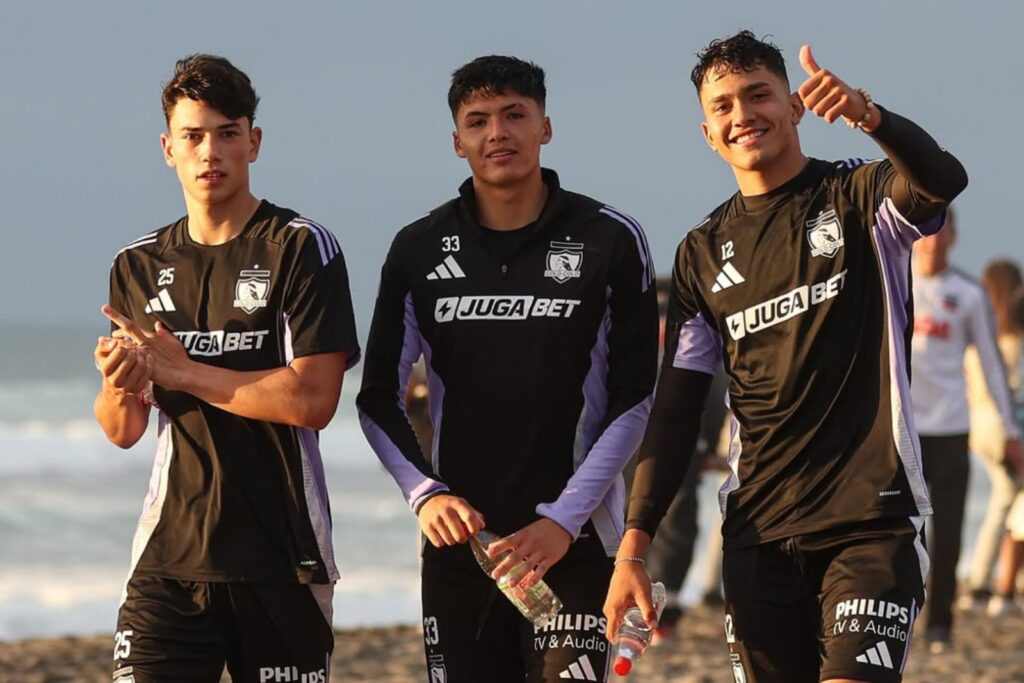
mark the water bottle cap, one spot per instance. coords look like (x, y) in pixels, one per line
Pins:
(622, 665)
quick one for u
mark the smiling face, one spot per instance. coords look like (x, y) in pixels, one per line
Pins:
(750, 119)
(500, 135)
(210, 152)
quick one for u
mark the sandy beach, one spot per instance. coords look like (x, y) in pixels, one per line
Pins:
(986, 651)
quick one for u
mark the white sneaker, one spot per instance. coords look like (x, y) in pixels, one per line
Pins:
(998, 605)
(971, 602)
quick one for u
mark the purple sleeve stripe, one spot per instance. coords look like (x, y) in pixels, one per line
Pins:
(699, 347)
(414, 484)
(587, 488)
(325, 241)
(641, 243)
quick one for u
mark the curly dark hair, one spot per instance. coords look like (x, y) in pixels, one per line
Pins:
(495, 75)
(215, 81)
(741, 52)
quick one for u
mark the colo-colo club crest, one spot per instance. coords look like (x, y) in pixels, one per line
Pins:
(564, 261)
(252, 289)
(825, 234)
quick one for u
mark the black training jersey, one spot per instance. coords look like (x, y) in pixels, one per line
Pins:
(541, 358)
(805, 294)
(233, 498)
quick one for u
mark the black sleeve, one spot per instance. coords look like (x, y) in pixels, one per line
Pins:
(927, 177)
(116, 296)
(392, 348)
(318, 303)
(668, 445)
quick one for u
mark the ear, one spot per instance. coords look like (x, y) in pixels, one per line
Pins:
(546, 138)
(797, 108)
(255, 140)
(165, 147)
(706, 132)
(457, 145)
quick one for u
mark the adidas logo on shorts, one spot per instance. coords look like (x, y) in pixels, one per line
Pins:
(877, 655)
(580, 670)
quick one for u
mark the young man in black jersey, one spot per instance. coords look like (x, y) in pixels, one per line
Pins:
(236, 323)
(823, 561)
(535, 312)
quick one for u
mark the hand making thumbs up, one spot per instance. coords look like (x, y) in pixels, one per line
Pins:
(829, 97)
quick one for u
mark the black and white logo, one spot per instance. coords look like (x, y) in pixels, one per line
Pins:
(447, 270)
(727, 277)
(252, 289)
(877, 655)
(438, 671)
(780, 309)
(160, 303)
(825, 234)
(580, 670)
(564, 261)
(518, 307)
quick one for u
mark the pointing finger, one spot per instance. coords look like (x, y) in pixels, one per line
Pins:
(133, 330)
(807, 61)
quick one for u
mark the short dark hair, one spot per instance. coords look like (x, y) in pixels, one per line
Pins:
(495, 75)
(215, 81)
(741, 52)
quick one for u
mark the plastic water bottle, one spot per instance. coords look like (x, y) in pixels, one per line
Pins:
(634, 633)
(538, 603)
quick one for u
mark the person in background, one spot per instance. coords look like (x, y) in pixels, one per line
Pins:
(1002, 281)
(951, 313)
(1011, 554)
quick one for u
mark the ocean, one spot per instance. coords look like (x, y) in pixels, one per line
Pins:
(69, 501)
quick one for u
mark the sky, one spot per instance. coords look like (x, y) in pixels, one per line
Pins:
(357, 134)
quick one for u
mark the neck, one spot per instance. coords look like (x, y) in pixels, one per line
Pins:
(932, 266)
(510, 207)
(761, 180)
(222, 222)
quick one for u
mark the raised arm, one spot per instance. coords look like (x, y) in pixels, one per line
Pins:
(928, 177)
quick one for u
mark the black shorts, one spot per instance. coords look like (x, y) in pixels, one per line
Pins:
(834, 604)
(173, 631)
(473, 633)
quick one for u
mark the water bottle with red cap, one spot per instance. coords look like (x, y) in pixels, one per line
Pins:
(634, 633)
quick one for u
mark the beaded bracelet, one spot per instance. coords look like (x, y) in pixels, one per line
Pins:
(864, 120)
(639, 560)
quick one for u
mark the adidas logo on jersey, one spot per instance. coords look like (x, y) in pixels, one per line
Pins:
(727, 277)
(877, 655)
(580, 670)
(161, 302)
(447, 270)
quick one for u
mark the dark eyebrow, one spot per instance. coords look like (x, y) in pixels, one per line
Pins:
(507, 107)
(746, 89)
(223, 126)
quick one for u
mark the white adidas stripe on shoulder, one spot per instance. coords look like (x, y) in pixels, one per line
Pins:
(138, 242)
(641, 242)
(854, 162)
(325, 239)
